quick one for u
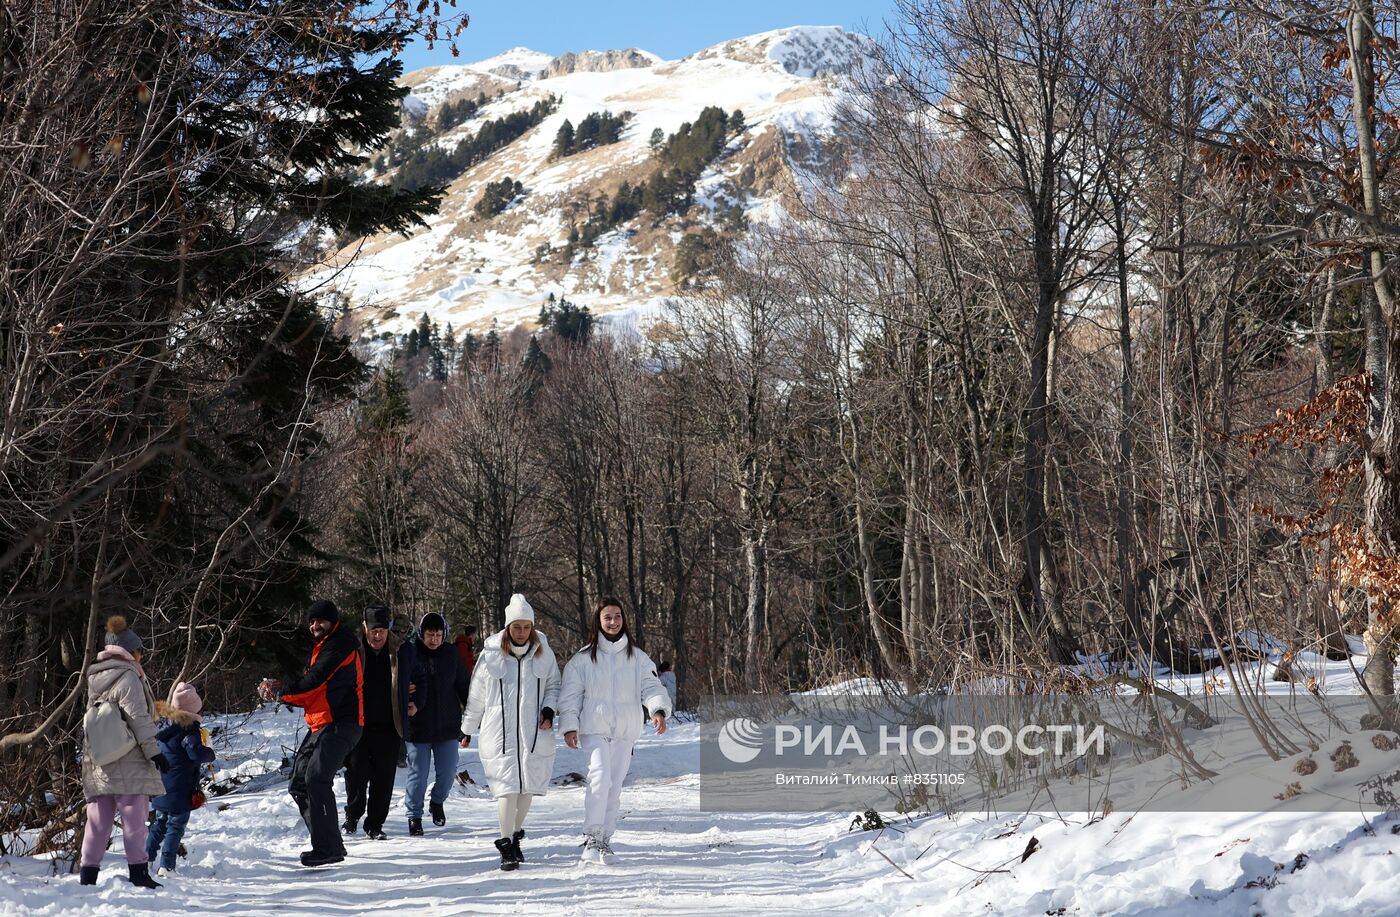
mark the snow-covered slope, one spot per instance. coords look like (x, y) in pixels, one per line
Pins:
(468, 271)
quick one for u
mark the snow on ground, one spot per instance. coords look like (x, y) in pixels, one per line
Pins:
(677, 859)
(243, 858)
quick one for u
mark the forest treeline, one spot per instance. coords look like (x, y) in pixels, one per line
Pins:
(1000, 395)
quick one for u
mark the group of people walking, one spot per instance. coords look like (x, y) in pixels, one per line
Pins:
(363, 697)
(360, 698)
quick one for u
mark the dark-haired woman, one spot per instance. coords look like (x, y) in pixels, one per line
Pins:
(515, 688)
(603, 685)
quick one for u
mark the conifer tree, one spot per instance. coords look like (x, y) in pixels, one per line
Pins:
(535, 365)
(564, 139)
(491, 344)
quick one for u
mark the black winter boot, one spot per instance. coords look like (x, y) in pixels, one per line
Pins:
(439, 816)
(415, 827)
(87, 875)
(507, 848)
(141, 876)
(515, 845)
(320, 858)
(350, 827)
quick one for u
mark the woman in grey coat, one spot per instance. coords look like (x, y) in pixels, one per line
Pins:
(128, 783)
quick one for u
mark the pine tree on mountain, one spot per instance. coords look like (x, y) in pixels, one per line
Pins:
(449, 350)
(385, 408)
(437, 358)
(471, 346)
(611, 128)
(658, 137)
(586, 136)
(411, 344)
(571, 323)
(491, 345)
(564, 139)
(736, 122)
(536, 360)
(535, 366)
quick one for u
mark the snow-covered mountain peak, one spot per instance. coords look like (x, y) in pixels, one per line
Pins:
(802, 51)
(516, 64)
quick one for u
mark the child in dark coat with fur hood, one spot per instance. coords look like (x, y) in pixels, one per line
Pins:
(183, 746)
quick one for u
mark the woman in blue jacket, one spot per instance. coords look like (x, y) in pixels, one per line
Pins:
(183, 746)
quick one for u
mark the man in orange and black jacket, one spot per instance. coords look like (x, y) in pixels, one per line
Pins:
(331, 695)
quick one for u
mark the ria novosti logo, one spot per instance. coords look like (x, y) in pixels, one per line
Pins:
(741, 740)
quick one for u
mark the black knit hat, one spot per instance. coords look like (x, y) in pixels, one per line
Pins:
(323, 609)
(378, 616)
(432, 621)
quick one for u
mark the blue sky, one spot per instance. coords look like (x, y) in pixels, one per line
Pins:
(665, 27)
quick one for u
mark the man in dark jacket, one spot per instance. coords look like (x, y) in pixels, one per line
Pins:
(388, 666)
(330, 693)
(438, 693)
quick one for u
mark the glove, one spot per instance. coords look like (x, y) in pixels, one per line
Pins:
(161, 762)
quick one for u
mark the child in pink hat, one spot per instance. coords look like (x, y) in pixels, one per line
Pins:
(183, 746)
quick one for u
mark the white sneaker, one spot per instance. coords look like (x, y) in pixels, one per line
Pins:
(592, 850)
(607, 857)
(164, 873)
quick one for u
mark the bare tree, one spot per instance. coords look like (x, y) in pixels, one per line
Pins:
(735, 344)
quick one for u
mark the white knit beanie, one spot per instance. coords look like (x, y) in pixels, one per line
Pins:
(519, 610)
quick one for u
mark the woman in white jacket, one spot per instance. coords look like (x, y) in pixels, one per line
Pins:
(514, 693)
(605, 684)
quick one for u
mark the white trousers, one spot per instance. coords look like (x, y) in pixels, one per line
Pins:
(608, 762)
(510, 811)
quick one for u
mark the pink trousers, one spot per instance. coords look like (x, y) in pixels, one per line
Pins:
(100, 814)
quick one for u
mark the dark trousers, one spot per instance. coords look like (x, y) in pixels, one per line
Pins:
(313, 782)
(371, 768)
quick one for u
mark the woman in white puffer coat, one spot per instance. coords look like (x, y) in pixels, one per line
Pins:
(510, 711)
(606, 685)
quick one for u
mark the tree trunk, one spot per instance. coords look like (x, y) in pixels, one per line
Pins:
(1382, 463)
(1039, 562)
(1137, 614)
(756, 610)
(888, 654)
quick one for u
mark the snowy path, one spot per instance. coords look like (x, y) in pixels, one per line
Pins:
(673, 857)
(677, 860)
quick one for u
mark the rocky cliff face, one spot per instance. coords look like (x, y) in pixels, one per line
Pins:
(598, 62)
